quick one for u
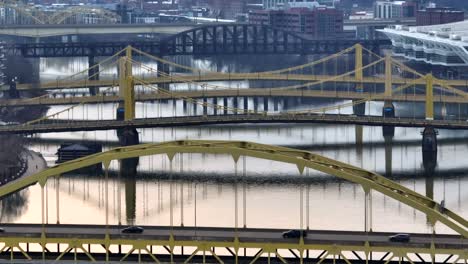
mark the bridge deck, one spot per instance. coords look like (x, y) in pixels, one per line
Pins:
(344, 95)
(89, 242)
(228, 234)
(231, 77)
(48, 126)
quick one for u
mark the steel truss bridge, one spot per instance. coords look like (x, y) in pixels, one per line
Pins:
(197, 47)
(47, 26)
(49, 126)
(210, 39)
(220, 245)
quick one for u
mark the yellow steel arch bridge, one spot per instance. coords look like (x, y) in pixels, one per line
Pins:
(19, 13)
(81, 239)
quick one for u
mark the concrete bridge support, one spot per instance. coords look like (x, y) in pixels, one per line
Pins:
(13, 93)
(235, 104)
(286, 103)
(429, 145)
(388, 111)
(205, 106)
(265, 104)
(93, 73)
(184, 106)
(359, 109)
(255, 104)
(225, 105)
(246, 105)
(215, 104)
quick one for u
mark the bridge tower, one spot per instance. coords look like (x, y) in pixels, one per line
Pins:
(126, 87)
(388, 110)
(359, 109)
(127, 136)
(429, 140)
(429, 97)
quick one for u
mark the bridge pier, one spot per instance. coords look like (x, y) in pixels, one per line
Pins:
(13, 93)
(127, 136)
(286, 103)
(429, 146)
(184, 106)
(246, 105)
(93, 74)
(215, 104)
(275, 104)
(205, 106)
(359, 109)
(388, 111)
(195, 108)
(255, 104)
(225, 105)
(236, 104)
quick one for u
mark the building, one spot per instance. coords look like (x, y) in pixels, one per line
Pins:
(436, 44)
(436, 16)
(275, 4)
(228, 9)
(318, 22)
(385, 9)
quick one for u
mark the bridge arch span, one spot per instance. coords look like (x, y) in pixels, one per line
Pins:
(35, 15)
(302, 159)
(72, 13)
(233, 39)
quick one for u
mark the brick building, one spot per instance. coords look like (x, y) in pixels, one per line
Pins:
(436, 16)
(317, 23)
(385, 9)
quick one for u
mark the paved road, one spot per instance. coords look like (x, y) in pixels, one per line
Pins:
(36, 163)
(49, 126)
(227, 234)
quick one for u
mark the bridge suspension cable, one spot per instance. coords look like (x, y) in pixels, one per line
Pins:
(79, 74)
(194, 101)
(313, 63)
(298, 86)
(101, 93)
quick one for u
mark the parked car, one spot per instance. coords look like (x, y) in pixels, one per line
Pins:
(294, 233)
(400, 238)
(133, 230)
(2, 230)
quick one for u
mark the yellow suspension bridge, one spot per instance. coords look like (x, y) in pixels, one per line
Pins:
(377, 86)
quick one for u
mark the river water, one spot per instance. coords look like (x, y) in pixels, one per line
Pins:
(270, 194)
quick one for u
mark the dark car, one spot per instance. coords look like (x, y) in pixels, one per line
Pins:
(2, 230)
(400, 238)
(133, 230)
(294, 233)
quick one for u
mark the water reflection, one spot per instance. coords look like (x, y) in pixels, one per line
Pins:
(13, 206)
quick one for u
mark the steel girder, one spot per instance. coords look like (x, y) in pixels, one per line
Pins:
(302, 159)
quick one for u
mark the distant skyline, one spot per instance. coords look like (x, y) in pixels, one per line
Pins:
(452, 3)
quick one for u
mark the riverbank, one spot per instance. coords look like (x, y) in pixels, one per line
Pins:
(35, 163)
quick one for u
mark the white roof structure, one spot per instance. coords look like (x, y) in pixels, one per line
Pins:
(445, 44)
